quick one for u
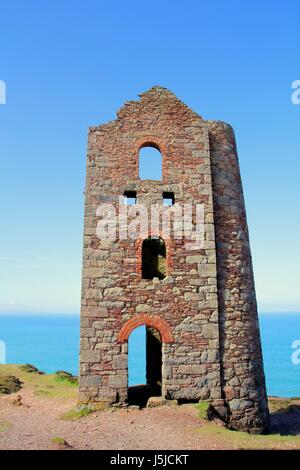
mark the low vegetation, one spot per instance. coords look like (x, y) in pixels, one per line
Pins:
(9, 384)
(278, 405)
(58, 440)
(77, 413)
(31, 369)
(59, 443)
(43, 385)
(241, 440)
(62, 375)
(81, 411)
(4, 425)
(202, 408)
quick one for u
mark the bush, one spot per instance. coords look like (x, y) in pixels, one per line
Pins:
(63, 375)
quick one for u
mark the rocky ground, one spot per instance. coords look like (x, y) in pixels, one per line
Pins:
(43, 414)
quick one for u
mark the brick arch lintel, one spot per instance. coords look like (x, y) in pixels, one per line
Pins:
(149, 320)
(152, 141)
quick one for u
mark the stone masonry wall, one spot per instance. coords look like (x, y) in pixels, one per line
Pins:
(242, 374)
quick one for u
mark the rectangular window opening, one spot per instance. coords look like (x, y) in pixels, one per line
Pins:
(130, 198)
(168, 199)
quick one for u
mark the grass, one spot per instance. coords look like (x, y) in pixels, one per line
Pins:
(81, 411)
(228, 439)
(30, 368)
(4, 425)
(44, 385)
(58, 440)
(283, 404)
(241, 440)
(42, 393)
(202, 408)
(62, 376)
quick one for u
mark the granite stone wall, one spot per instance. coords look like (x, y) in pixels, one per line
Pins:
(242, 375)
(204, 309)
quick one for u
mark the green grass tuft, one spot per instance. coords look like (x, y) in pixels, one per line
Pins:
(4, 425)
(77, 413)
(58, 440)
(62, 376)
(202, 408)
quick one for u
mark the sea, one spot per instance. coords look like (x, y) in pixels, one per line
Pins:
(51, 343)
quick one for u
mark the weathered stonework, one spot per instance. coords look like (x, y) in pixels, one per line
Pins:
(205, 308)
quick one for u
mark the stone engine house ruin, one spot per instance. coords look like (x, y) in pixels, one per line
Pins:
(199, 305)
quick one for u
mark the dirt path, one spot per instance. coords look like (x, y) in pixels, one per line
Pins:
(38, 420)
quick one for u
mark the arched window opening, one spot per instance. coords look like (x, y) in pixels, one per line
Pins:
(154, 258)
(150, 163)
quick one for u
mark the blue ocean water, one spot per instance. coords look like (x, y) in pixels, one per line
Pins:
(278, 332)
(51, 342)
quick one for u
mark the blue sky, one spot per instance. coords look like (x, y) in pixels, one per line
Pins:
(71, 64)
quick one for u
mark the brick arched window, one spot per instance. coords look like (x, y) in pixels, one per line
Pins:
(150, 162)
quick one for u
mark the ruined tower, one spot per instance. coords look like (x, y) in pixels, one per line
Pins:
(198, 304)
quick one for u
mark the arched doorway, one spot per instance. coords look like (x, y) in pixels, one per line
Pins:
(155, 333)
(144, 364)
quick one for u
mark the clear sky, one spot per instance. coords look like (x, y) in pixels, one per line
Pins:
(70, 64)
